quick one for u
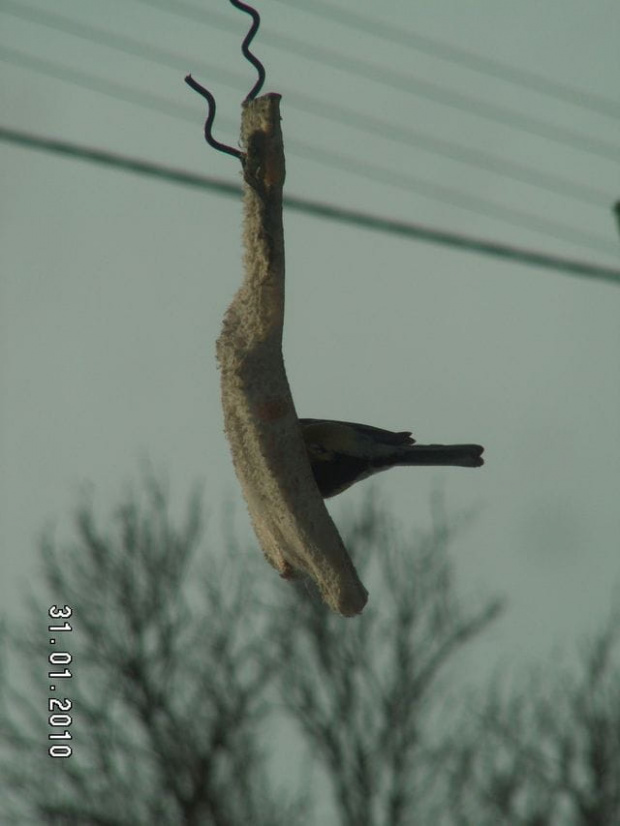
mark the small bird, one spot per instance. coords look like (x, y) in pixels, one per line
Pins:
(343, 453)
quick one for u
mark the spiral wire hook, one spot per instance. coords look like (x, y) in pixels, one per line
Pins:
(206, 94)
(245, 47)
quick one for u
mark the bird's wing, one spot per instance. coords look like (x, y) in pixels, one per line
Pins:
(347, 430)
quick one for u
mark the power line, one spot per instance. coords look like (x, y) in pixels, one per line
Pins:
(121, 42)
(114, 160)
(482, 206)
(444, 148)
(461, 57)
(333, 112)
(137, 97)
(348, 216)
(397, 80)
(370, 171)
(86, 80)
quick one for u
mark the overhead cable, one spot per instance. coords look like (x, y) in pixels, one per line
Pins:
(405, 229)
(361, 121)
(345, 162)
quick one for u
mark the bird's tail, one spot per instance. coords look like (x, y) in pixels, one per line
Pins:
(436, 455)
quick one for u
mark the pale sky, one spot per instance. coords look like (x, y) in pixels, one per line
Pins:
(113, 286)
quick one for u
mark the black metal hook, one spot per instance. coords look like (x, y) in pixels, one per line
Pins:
(221, 147)
(245, 49)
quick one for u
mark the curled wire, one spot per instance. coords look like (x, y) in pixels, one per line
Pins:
(206, 94)
(245, 47)
(221, 147)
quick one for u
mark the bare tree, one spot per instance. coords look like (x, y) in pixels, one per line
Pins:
(168, 687)
(177, 679)
(546, 750)
(367, 694)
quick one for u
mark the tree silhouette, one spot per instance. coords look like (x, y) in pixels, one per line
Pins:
(168, 689)
(368, 695)
(179, 677)
(546, 749)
